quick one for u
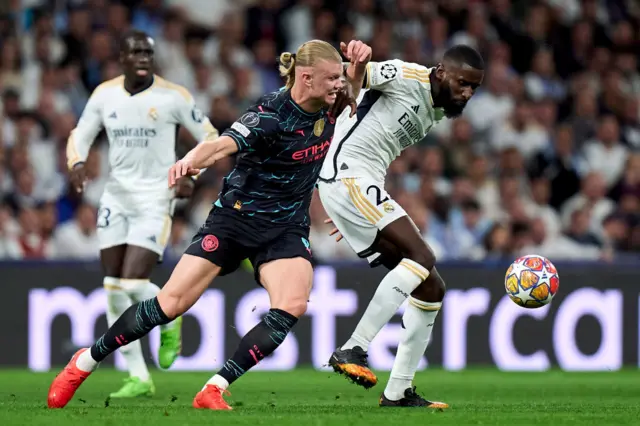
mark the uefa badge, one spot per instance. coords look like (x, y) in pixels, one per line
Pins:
(318, 128)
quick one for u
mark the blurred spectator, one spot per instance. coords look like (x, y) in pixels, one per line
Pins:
(606, 154)
(521, 131)
(560, 166)
(591, 195)
(541, 82)
(543, 160)
(77, 239)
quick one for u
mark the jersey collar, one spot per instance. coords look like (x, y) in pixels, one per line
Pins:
(293, 107)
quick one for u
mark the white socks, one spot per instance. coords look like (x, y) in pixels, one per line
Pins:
(393, 290)
(142, 289)
(85, 362)
(218, 381)
(418, 320)
(118, 301)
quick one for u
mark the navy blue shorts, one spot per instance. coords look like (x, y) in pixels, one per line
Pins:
(228, 237)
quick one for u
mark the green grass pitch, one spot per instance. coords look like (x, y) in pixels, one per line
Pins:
(312, 398)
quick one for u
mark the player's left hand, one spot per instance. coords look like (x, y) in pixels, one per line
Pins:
(184, 187)
(334, 231)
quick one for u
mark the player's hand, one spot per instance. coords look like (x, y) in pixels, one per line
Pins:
(180, 169)
(184, 187)
(334, 231)
(357, 52)
(359, 55)
(344, 99)
(78, 177)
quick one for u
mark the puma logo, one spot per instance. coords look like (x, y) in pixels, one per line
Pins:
(400, 291)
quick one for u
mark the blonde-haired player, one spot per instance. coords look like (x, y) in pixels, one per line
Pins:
(140, 113)
(262, 213)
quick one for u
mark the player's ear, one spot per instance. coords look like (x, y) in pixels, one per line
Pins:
(440, 72)
(307, 77)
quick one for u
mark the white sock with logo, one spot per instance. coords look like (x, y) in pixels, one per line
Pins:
(118, 301)
(418, 320)
(393, 290)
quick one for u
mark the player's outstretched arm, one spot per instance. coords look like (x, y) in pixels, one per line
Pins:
(359, 55)
(202, 156)
(81, 139)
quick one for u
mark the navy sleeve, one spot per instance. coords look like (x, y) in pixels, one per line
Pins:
(258, 123)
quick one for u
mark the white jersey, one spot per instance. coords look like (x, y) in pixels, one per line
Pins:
(142, 131)
(394, 111)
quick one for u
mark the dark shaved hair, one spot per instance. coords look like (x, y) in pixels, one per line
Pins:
(464, 54)
(132, 35)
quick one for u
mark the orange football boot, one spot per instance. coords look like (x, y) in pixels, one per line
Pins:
(211, 398)
(66, 383)
(353, 364)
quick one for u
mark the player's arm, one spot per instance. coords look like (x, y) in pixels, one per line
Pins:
(189, 116)
(245, 135)
(81, 139)
(359, 55)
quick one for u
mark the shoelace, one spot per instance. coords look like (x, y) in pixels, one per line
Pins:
(363, 357)
(414, 397)
(217, 390)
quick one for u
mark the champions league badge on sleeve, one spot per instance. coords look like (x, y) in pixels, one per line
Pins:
(250, 119)
(388, 71)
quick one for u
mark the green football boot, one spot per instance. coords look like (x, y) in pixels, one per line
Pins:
(170, 343)
(134, 387)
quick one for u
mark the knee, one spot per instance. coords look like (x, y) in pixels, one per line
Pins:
(294, 306)
(134, 274)
(172, 305)
(432, 290)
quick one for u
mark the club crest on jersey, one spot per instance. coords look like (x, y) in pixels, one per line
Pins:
(318, 128)
(153, 114)
(237, 205)
(388, 207)
(197, 115)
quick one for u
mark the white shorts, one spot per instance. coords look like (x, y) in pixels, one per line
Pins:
(359, 208)
(142, 222)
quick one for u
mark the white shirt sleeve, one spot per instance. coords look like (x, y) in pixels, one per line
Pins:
(393, 76)
(191, 117)
(83, 136)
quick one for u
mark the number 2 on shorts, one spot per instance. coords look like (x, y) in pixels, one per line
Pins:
(379, 199)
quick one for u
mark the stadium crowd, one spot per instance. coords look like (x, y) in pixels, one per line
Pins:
(545, 159)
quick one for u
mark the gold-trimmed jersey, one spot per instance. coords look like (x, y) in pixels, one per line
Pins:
(395, 110)
(142, 131)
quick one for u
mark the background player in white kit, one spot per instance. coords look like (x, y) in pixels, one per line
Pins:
(401, 103)
(140, 113)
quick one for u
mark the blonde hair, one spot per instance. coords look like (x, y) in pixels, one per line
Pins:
(308, 55)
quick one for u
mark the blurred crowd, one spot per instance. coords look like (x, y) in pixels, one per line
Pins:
(545, 159)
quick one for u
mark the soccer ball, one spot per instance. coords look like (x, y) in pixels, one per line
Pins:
(531, 281)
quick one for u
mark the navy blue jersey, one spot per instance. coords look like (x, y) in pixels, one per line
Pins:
(280, 153)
